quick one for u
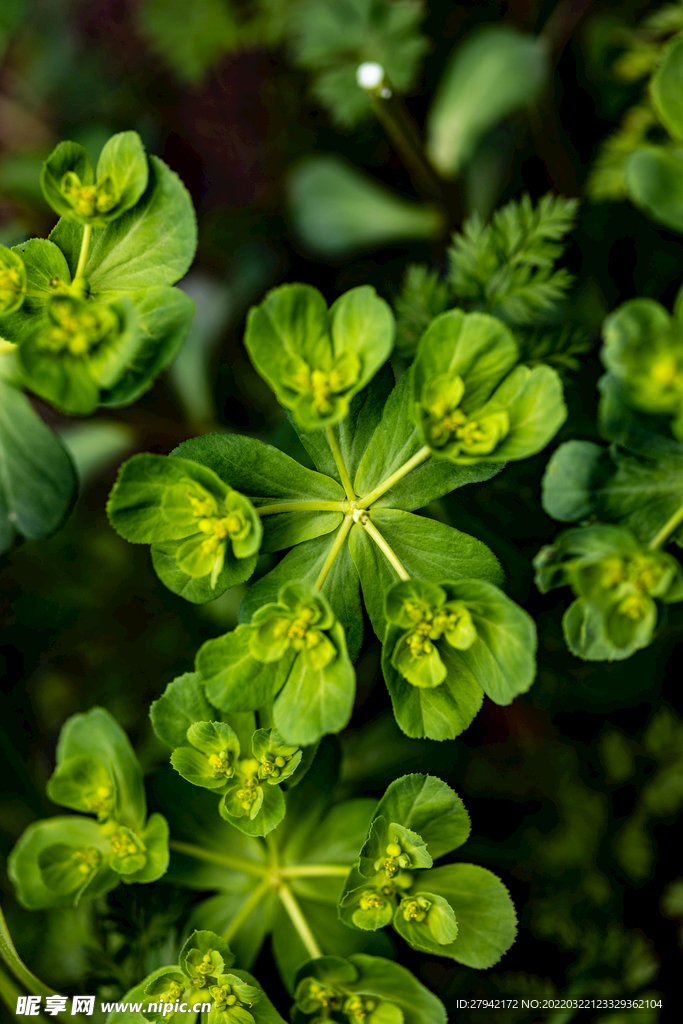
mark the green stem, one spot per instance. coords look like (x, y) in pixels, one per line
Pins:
(385, 549)
(247, 910)
(342, 534)
(397, 122)
(300, 506)
(299, 921)
(315, 871)
(17, 966)
(668, 528)
(224, 859)
(9, 993)
(85, 245)
(407, 467)
(339, 461)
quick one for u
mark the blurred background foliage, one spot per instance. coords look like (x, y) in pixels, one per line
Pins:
(575, 789)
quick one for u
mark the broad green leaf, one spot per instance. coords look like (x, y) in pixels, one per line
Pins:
(96, 733)
(316, 700)
(395, 440)
(163, 317)
(151, 244)
(583, 625)
(44, 263)
(182, 703)
(190, 39)
(428, 550)
(268, 476)
(336, 840)
(137, 994)
(441, 712)
(303, 564)
(24, 871)
(666, 87)
(492, 73)
(234, 679)
(487, 923)
(533, 399)
(37, 479)
(336, 210)
(12, 281)
(82, 784)
(316, 360)
(654, 179)
(428, 806)
(568, 480)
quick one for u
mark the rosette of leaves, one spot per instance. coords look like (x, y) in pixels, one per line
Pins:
(363, 990)
(446, 646)
(286, 888)
(316, 359)
(617, 582)
(205, 536)
(204, 978)
(62, 860)
(100, 319)
(246, 767)
(461, 911)
(471, 400)
(293, 653)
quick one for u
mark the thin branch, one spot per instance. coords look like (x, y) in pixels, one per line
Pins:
(292, 907)
(339, 462)
(412, 463)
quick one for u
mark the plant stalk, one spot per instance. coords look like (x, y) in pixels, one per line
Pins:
(300, 506)
(668, 528)
(339, 462)
(417, 459)
(224, 859)
(297, 918)
(342, 534)
(83, 255)
(247, 910)
(385, 549)
(315, 871)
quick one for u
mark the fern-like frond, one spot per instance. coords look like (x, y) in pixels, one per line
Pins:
(423, 296)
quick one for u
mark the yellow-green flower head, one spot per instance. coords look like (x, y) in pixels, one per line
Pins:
(426, 616)
(66, 868)
(233, 999)
(449, 429)
(312, 996)
(212, 759)
(128, 852)
(298, 622)
(76, 327)
(12, 281)
(276, 760)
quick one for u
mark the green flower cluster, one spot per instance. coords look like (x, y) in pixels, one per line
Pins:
(249, 786)
(617, 581)
(471, 400)
(62, 860)
(91, 309)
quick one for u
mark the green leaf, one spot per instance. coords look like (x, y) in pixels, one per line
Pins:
(535, 407)
(23, 866)
(206, 942)
(583, 625)
(654, 179)
(151, 244)
(155, 837)
(316, 700)
(568, 480)
(234, 679)
(336, 210)
(492, 73)
(303, 563)
(44, 262)
(395, 984)
(70, 159)
(487, 923)
(666, 86)
(123, 161)
(314, 360)
(182, 703)
(137, 994)
(268, 476)
(395, 440)
(437, 713)
(429, 807)
(330, 41)
(269, 815)
(190, 39)
(37, 479)
(198, 590)
(163, 318)
(96, 733)
(428, 550)
(83, 784)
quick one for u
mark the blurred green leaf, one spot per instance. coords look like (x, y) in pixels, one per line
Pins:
(492, 73)
(654, 179)
(189, 34)
(336, 210)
